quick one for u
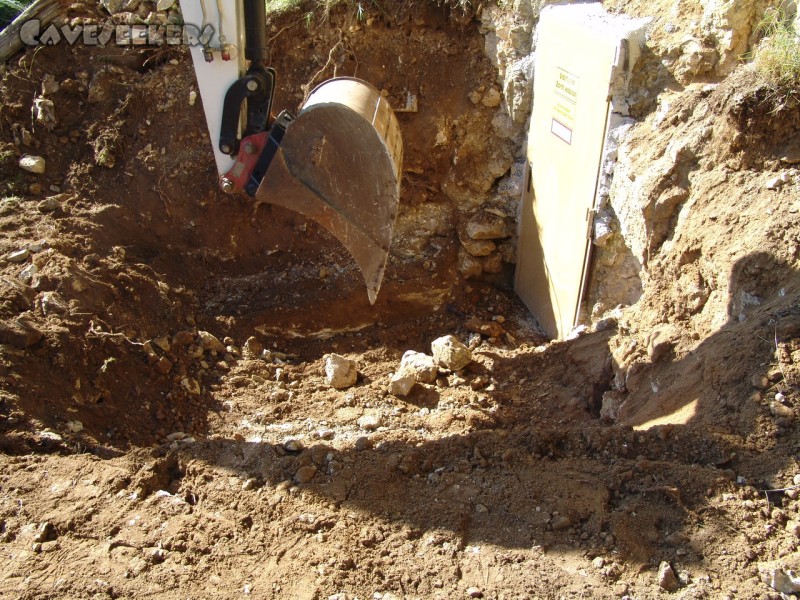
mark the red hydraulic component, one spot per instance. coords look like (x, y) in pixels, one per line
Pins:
(235, 180)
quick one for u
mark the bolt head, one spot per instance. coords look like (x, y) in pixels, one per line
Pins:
(252, 85)
(225, 148)
(249, 147)
(226, 185)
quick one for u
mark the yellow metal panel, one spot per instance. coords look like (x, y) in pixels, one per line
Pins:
(574, 65)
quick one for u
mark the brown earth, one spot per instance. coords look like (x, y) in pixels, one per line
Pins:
(138, 463)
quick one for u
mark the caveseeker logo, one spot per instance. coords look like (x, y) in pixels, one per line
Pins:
(92, 34)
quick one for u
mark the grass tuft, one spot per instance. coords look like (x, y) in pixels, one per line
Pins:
(776, 58)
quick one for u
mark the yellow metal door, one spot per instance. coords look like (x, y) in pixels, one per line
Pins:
(575, 58)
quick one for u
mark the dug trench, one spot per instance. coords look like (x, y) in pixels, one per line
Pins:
(143, 457)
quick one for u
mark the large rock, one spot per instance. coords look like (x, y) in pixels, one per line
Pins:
(340, 372)
(420, 366)
(451, 353)
(468, 266)
(486, 225)
(475, 247)
(518, 89)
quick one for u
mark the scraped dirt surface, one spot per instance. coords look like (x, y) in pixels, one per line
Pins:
(141, 458)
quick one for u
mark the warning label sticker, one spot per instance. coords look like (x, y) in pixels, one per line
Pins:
(566, 98)
(562, 131)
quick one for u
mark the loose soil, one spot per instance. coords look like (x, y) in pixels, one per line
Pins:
(138, 463)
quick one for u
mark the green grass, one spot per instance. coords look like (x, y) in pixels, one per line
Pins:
(9, 9)
(776, 58)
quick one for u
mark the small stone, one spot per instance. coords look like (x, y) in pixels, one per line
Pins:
(667, 579)
(50, 435)
(176, 436)
(49, 85)
(191, 385)
(209, 341)
(561, 522)
(340, 372)
(163, 343)
(53, 304)
(793, 527)
(450, 353)
(18, 256)
(49, 204)
(163, 366)
(75, 426)
(487, 328)
(474, 592)
(305, 474)
(293, 445)
(116, 6)
(28, 272)
(760, 382)
(796, 479)
(35, 188)
(155, 555)
(45, 533)
(326, 434)
(252, 483)
(780, 411)
(252, 348)
(32, 164)
(492, 98)
(363, 443)
(475, 96)
(777, 182)
(420, 366)
(599, 562)
(479, 382)
(44, 111)
(369, 422)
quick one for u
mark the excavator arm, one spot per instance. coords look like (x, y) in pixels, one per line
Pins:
(338, 162)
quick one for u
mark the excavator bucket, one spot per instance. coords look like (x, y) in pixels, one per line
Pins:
(339, 163)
